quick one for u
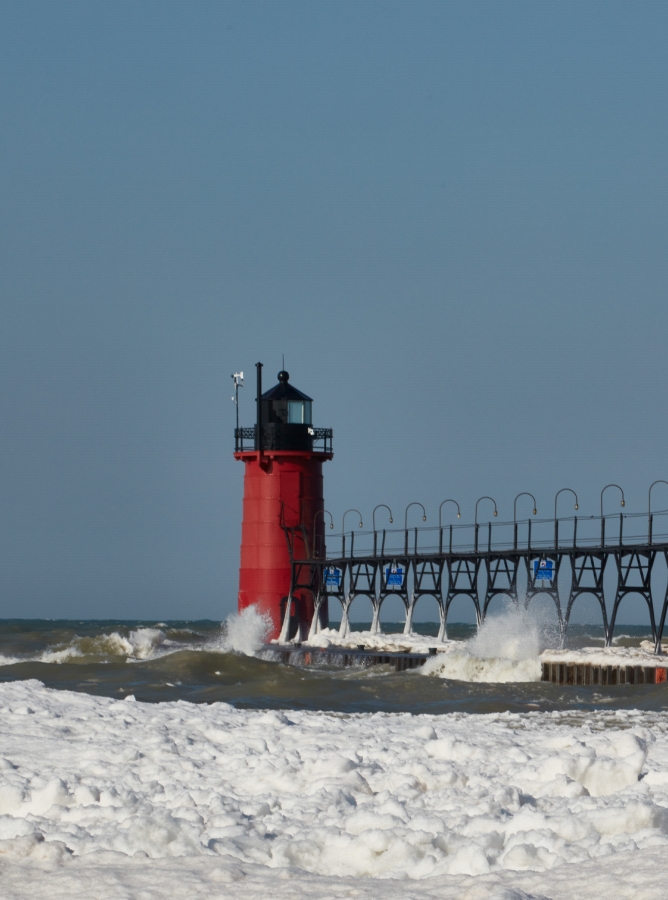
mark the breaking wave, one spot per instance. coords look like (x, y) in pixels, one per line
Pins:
(9, 660)
(242, 633)
(505, 649)
(143, 643)
(245, 632)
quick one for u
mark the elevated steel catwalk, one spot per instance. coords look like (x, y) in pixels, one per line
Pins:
(609, 558)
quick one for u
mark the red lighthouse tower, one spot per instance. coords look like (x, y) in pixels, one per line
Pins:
(283, 503)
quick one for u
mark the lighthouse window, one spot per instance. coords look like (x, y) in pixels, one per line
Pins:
(299, 412)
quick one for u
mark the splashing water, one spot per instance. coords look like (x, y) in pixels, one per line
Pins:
(505, 649)
(247, 631)
(516, 633)
(139, 644)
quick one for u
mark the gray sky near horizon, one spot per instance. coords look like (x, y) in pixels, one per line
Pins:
(450, 218)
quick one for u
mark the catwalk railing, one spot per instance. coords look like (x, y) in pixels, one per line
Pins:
(609, 558)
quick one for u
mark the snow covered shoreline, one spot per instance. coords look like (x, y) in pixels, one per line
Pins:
(631, 875)
(241, 802)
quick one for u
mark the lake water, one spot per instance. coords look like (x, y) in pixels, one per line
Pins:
(196, 661)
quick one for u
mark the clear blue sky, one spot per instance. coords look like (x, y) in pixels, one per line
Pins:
(450, 217)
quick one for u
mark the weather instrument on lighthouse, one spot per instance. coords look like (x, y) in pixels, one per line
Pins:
(283, 504)
(238, 379)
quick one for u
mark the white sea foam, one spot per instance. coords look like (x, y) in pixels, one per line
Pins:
(496, 654)
(143, 643)
(461, 665)
(164, 799)
(9, 660)
(246, 632)
(242, 633)
(505, 649)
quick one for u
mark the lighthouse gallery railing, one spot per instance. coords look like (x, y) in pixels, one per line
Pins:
(244, 439)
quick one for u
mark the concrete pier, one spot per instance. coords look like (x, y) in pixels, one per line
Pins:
(296, 654)
(558, 672)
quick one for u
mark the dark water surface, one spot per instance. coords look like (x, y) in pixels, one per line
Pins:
(181, 660)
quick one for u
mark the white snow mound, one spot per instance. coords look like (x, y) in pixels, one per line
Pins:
(383, 795)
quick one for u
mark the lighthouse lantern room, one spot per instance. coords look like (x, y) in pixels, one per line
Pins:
(283, 504)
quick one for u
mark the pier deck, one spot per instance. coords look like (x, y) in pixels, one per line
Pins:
(303, 654)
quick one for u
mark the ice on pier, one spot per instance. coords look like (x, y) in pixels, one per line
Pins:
(643, 655)
(456, 660)
(382, 643)
(505, 649)
(262, 798)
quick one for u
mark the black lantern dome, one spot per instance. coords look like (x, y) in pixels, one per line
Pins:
(286, 417)
(284, 421)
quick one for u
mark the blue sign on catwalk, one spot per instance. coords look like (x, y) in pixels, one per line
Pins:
(543, 569)
(394, 575)
(332, 577)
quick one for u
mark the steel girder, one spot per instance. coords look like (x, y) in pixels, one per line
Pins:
(482, 576)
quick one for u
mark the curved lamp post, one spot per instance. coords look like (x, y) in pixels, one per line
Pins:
(424, 513)
(623, 503)
(485, 498)
(343, 523)
(381, 506)
(523, 494)
(323, 513)
(649, 494)
(459, 512)
(576, 507)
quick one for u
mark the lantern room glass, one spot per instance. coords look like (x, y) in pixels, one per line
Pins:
(299, 412)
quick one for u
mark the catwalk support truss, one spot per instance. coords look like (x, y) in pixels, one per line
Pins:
(562, 561)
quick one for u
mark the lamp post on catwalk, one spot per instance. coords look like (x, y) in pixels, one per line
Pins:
(283, 505)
